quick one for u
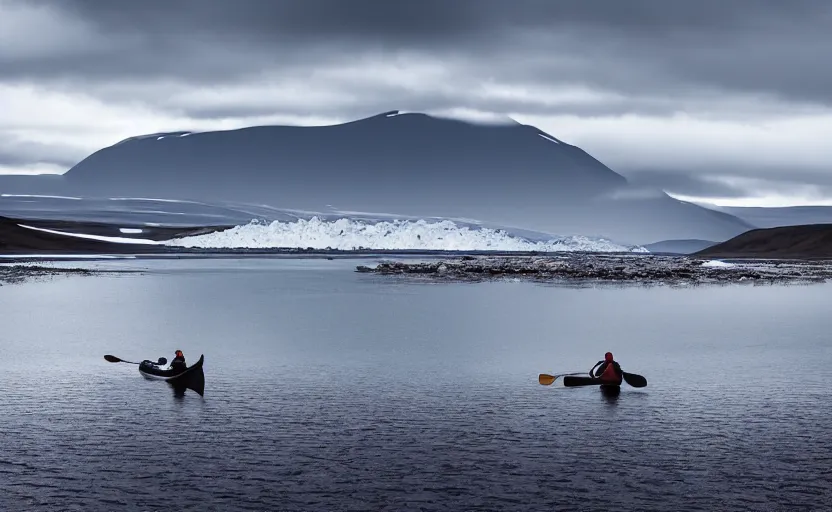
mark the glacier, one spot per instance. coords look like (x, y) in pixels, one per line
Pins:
(350, 234)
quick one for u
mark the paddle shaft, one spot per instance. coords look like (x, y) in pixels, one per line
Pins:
(633, 379)
(546, 380)
(114, 359)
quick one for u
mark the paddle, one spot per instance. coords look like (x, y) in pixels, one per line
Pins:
(114, 359)
(547, 380)
(635, 380)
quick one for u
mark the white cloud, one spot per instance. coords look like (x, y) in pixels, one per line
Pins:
(686, 142)
(71, 125)
(471, 115)
(33, 168)
(767, 201)
(278, 95)
(538, 96)
(761, 192)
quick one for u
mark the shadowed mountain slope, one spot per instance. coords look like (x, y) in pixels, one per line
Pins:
(406, 164)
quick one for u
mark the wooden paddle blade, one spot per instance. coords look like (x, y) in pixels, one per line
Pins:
(546, 379)
(635, 380)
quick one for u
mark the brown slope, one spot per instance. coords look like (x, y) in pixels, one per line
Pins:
(15, 239)
(811, 241)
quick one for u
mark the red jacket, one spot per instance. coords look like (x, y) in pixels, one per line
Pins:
(610, 372)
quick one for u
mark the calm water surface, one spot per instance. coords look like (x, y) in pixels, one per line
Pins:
(332, 390)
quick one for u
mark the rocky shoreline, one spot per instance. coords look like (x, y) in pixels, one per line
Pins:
(609, 269)
(16, 274)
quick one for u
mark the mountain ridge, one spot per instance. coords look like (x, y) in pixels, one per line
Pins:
(403, 163)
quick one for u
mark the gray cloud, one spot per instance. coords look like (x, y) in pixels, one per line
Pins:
(687, 184)
(734, 64)
(20, 154)
(675, 48)
(460, 20)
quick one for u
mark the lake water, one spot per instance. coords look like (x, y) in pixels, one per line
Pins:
(332, 390)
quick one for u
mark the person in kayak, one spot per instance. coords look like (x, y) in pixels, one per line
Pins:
(608, 370)
(178, 362)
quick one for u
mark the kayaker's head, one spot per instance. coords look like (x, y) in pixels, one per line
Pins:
(608, 357)
(179, 353)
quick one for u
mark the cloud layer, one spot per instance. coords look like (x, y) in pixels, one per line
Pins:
(687, 96)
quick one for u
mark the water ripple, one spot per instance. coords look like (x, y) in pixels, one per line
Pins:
(324, 392)
(130, 445)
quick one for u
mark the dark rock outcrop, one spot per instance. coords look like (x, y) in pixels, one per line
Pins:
(15, 274)
(597, 268)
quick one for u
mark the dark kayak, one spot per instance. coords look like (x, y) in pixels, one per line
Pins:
(606, 386)
(191, 378)
(633, 379)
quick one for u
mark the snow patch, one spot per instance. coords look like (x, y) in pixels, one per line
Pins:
(179, 201)
(101, 238)
(41, 196)
(548, 138)
(394, 113)
(350, 234)
(131, 230)
(718, 264)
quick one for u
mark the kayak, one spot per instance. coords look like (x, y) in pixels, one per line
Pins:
(606, 386)
(191, 377)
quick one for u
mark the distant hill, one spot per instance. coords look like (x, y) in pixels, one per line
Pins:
(406, 164)
(789, 242)
(783, 216)
(679, 246)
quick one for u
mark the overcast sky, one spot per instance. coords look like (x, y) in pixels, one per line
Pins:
(728, 101)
